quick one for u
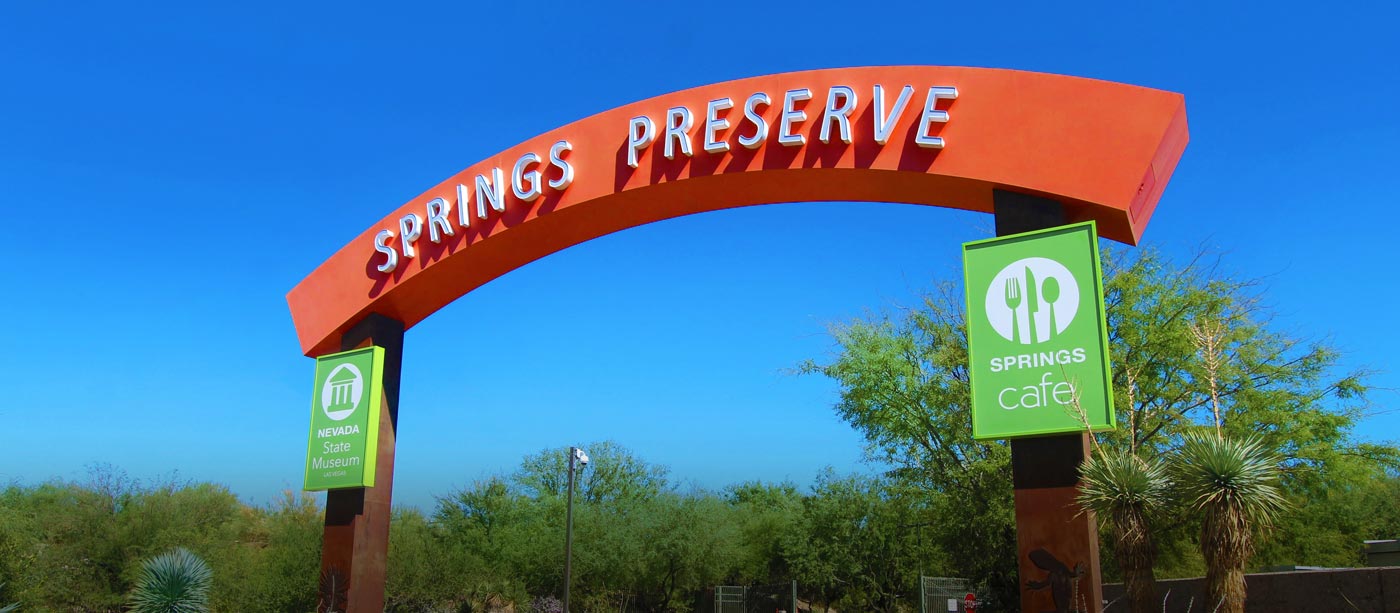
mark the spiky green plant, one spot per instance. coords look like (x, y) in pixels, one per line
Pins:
(1234, 485)
(1125, 492)
(176, 581)
(9, 608)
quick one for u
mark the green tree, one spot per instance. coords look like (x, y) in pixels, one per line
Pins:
(904, 386)
(764, 514)
(634, 536)
(497, 534)
(686, 543)
(856, 543)
(1327, 518)
(903, 380)
(1199, 348)
(614, 473)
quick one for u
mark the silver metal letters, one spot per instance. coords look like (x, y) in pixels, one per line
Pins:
(720, 127)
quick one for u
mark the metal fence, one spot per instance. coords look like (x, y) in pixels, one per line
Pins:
(730, 598)
(942, 594)
(771, 598)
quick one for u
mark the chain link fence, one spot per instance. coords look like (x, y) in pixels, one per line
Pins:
(942, 594)
(770, 598)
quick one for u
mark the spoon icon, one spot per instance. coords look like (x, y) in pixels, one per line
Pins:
(1050, 292)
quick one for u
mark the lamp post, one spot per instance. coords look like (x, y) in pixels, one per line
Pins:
(576, 456)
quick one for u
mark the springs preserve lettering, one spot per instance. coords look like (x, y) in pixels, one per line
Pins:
(835, 120)
(681, 132)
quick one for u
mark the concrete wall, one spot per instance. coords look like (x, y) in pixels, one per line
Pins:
(1367, 590)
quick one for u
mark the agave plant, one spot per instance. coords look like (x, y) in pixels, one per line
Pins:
(1233, 484)
(173, 582)
(1125, 492)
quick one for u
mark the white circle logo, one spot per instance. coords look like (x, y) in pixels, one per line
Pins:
(1032, 300)
(341, 393)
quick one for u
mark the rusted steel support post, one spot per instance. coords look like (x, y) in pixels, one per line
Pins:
(1057, 546)
(355, 541)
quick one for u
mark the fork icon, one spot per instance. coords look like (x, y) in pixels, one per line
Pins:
(1013, 301)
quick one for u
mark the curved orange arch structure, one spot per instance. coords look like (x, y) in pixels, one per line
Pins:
(1105, 150)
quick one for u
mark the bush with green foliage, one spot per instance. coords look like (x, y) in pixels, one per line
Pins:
(78, 546)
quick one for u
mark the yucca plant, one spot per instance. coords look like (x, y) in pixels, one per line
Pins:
(173, 582)
(1126, 492)
(9, 608)
(1234, 485)
(334, 591)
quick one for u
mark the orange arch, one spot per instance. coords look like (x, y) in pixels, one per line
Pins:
(1106, 150)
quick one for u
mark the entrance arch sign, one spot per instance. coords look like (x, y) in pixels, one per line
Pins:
(942, 136)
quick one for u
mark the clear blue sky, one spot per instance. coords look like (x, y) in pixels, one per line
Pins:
(169, 171)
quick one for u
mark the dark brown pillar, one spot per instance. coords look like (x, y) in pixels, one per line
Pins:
(1057, 546)
(355, 543)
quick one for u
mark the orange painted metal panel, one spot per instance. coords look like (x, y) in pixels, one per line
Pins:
(1106, 150)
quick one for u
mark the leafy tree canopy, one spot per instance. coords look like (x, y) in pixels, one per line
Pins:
(904, 386)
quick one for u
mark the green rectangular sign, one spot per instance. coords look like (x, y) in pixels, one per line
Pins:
(345, 419)
(1036, 333)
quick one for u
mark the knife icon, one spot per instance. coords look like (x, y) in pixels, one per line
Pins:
(1032, 304)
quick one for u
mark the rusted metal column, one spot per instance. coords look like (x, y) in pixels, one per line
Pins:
(1057, 546)
(355, 541)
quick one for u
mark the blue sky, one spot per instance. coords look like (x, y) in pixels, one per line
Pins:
(169, 171)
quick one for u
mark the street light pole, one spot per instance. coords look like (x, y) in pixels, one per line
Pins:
(575, 455)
